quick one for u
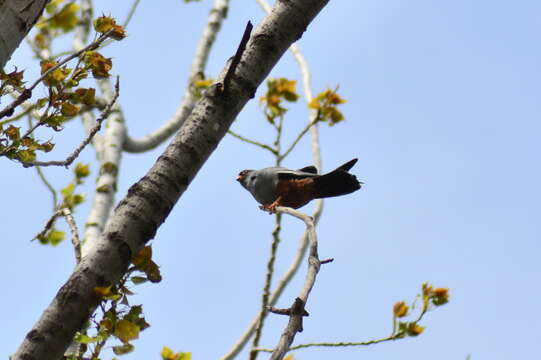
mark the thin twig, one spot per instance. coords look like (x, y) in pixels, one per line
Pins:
(253, 142)
(268, 281)
(67, 162)
(299, 137)
(284, 311)
(336, 344)
(74, 233)
(131, 13)
(49, 225)
(394, 336)
(236, 58)
(19, 115)
(27, 93)
(48, 185)
(295, 319)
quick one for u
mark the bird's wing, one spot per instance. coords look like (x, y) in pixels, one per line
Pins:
(286, 174)
(309, 169)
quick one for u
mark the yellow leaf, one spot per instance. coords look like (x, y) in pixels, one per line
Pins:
(103, 291)
(104, 24)
(54, 77)
(126, 330)
(69, 109)
(65, 19)
(313, 104)
(414, 329)
(82, 170)
(400, 309)
(144, 255)
(167, 353)
(99, 65)
(106, 324)
(13, 132)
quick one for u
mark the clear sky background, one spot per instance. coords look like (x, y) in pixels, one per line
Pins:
(443, 113)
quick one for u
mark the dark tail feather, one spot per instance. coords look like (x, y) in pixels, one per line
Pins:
(347, 165)
(337, 182)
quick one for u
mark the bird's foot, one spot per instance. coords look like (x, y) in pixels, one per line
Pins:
(270, 208)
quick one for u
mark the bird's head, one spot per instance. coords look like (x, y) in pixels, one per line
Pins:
(247, 178)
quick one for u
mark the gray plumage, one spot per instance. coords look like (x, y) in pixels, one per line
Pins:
(263, 184)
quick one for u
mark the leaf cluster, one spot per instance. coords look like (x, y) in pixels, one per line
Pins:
(430, 297)
(326, 103)
(278, 91)
(120, 320)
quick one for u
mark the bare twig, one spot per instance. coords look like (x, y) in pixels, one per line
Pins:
(24, 112)
(335, 344)
(27, 93)
(66, 213)
(395, 335)
(74, 233)
(287, 311)
(236, 58)
(48, 185)
(295, 319)
(268, 281)
(49, 225)
(134, 6)
(253, 142)
(67, 162)
(299, 137)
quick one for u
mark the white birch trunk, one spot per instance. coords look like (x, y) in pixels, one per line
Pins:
(16, 19)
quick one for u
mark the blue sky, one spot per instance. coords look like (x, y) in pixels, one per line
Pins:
(443, 113)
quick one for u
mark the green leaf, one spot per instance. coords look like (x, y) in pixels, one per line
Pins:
(27, 155)
(83, 339)
(136, 280)
(82, 170)
(68, 190)
(55, 237)
(123, 349)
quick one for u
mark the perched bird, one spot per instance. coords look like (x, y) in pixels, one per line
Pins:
(277, 186)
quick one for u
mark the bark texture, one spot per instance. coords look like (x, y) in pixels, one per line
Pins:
(149, 201)
(16, 19)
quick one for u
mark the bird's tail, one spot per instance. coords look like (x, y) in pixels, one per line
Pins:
(337, 182)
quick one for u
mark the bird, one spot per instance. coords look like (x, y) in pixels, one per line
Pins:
(278, 186)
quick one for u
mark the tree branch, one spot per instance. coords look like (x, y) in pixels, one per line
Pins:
(236, 58)
(152, 140)
(297, 310)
